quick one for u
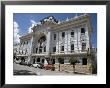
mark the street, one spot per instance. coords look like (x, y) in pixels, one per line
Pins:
(26, 70)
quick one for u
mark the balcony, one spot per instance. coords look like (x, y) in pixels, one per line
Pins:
(72, 51)
(62, 51)
(84, 50)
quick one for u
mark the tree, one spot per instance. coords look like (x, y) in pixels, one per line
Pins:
(73, 61)
(94, 63)
(14, 57)
(61, 61)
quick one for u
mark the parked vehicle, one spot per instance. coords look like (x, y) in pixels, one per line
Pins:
(29, 64)
(38, 65)
(17, 61)
(49, 67)
(23, 63)
(35, 65)
(41, 65)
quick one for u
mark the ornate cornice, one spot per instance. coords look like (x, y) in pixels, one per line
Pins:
(73, 22)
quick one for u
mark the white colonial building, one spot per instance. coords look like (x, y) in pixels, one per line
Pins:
(52, 40)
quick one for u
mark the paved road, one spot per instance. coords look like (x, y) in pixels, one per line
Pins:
(26, 70)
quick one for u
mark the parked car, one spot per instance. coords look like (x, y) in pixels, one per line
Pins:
(41, 65)
(23, 63)
(38, 65)
(29, 64)
(49, 67)
(17, 61)
(35, 65)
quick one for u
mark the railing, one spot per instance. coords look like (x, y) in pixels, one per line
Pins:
(71, 51)
(60, 52)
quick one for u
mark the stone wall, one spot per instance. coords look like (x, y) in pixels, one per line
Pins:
(84, 69)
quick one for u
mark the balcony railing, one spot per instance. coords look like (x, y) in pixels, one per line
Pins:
(71, 51)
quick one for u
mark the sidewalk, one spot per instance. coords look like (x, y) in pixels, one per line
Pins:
(26, 70)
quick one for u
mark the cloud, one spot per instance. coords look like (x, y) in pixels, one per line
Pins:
(16, 33)
(32, 24)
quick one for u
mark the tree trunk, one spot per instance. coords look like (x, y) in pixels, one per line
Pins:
(59, 67)
(73, 68)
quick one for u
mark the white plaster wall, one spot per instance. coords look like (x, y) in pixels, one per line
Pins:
(76, 40)
(25, 46)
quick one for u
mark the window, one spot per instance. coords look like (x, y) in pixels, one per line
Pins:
(82, 31)
(53, 61)
(72, 46)
(24, 42)
(25, 51)
(22, 51)
(19, 52)
(42, 60)
(84, 62)
(40, 50)
(44, 48)
(38, 59)
(63, 34)
(62, 48)
(54, 49)
(54, 36)
(72, 34)
(83, 46)
(36, 50)
(34, 61)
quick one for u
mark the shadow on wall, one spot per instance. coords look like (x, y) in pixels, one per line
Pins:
(23, 72)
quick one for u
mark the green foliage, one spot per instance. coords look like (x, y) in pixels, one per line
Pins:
(61, 60)
(73, 61)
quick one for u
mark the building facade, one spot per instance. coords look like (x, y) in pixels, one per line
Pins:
(51, 40)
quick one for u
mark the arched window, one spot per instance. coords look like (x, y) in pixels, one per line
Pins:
(53, 61)
(38, 59)
(34, 61)
(44, 48)
(36, 50)
(42, 60)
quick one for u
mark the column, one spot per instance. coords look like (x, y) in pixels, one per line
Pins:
(38, 50)
(48, 48)
(31, 45)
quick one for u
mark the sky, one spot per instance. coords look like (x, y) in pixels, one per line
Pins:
(24, 21)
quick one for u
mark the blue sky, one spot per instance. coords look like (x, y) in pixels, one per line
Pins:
(23, 22)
